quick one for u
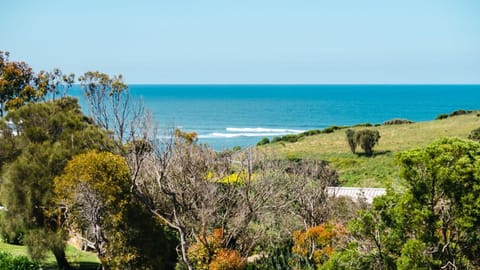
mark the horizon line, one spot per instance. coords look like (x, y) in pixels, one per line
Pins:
(275, 83)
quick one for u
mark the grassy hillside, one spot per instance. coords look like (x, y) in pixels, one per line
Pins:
(380, 170)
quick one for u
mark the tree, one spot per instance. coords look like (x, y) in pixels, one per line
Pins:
(94, 189)
(195, 190)
(367, 139)
(113, 108)
(48, 135)
(444, 213)
(16, 84)
(350, 134)
(54, 83)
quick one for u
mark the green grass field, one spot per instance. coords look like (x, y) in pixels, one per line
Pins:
(78, 259)
(380, 170)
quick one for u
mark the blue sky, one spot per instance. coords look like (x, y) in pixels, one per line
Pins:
(250, 41)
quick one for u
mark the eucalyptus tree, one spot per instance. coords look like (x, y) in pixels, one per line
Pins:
(48, 135)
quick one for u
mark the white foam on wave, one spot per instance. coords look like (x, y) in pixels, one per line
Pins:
(236, 135)
(263, 130)
(249, 132)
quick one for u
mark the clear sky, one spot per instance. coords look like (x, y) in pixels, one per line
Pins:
(249, 41)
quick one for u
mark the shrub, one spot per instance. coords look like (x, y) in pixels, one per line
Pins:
(318, 243)
(363, 125)
(475, 135)
(290, 138)
(460, 112)
(331, 129)
(454, 113)
(312, 132)
(397, 122)
(442, 116)
(227, 259)
(13, 237)
(276, 139)
(367, 139)
(263, 141)
(8, 261)
(350, 133)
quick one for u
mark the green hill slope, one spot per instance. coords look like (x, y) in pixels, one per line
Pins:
(380, 170)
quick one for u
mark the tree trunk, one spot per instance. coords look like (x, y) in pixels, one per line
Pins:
(183, 245)
(62, 262)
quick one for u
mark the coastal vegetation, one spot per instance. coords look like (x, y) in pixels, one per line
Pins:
(379, 170)
(145, 198)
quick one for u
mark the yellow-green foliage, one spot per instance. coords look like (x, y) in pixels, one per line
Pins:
(234, 178)
(104, 172)
(103, 179)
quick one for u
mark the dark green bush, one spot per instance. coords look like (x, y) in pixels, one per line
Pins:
(331, 129)
(397, 122)
(276, 139)
(14, 238)
(367, 139)
(454, 113)
(290, 138)
(312, 132)
(363, 125)
(475, 135)
(442, 116)
(263, 141)
(8, 261)
(350, 133)
(460, 112)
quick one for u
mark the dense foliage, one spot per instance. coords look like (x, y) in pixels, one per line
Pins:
(365, 138)
(8, 261)
(153, 201)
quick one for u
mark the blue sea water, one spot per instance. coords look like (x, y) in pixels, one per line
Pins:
(225, 116)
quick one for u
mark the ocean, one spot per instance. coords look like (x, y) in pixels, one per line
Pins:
(225, 116)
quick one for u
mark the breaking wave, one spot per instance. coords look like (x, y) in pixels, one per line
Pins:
(249, 132)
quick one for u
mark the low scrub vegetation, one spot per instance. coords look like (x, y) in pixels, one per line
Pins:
(397, 122)
(8, 261)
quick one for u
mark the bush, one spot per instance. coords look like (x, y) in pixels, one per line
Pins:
(350, 133)
(276, 139)
(226, 259)
(263, 141)
(8, 261)
(14, 237)
(397, 122)
(460, 112)
(367, 139)
(454, 113)
(291, 138)
(442, 116)
(475, 135)
(363, 125)
(312, 132)
(331, 129)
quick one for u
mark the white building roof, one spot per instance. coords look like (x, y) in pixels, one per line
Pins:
(356, 193)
